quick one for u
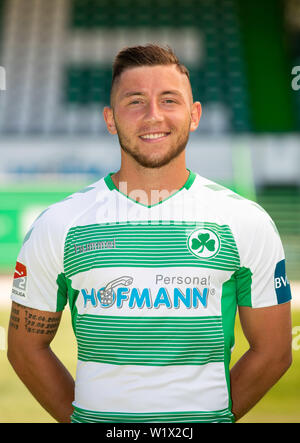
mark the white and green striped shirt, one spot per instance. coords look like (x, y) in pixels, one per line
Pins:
(153, 292)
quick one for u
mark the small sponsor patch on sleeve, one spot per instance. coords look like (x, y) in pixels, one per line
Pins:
(20, 280)
(281, 283)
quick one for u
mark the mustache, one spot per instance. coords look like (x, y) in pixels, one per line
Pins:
(150, 129)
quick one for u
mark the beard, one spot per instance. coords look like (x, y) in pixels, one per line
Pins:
(144, 159)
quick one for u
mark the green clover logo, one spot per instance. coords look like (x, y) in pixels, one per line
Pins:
(203, 241)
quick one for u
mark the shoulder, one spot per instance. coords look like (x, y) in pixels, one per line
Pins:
(231, 206)
(57, 218)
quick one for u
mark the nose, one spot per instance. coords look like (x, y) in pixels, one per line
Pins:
(153, 112)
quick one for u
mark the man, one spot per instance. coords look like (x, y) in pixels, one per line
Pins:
(154, 261)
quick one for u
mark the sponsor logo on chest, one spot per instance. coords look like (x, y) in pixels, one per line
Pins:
(169, 292)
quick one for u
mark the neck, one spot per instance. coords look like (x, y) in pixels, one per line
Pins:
(149, 186)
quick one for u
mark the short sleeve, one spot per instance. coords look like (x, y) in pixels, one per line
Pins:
(39, 281)
(261, 280)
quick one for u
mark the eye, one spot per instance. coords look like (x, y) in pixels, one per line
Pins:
(135, 102)
(169, 101)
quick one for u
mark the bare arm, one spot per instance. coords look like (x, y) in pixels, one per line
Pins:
(268, 331)
(29, 336)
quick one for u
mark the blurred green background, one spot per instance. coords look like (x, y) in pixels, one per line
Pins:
(243, 59)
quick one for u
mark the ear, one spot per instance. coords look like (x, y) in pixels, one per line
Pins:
(109, 120)
(195, 115)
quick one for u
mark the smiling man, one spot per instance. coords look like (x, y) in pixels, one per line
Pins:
(152, 112)
(154, 261)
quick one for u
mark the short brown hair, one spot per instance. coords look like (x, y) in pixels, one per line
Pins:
(148, 55)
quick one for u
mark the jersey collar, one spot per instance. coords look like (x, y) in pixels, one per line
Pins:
(112, 187)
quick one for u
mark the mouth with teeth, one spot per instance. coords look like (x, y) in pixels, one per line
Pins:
(154, 136)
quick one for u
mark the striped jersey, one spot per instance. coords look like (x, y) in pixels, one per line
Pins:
(153, 292)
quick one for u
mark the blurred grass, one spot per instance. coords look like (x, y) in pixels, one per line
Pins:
(280, 405)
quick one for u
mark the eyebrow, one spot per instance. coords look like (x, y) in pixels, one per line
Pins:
(131, 93)
(170, 92)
